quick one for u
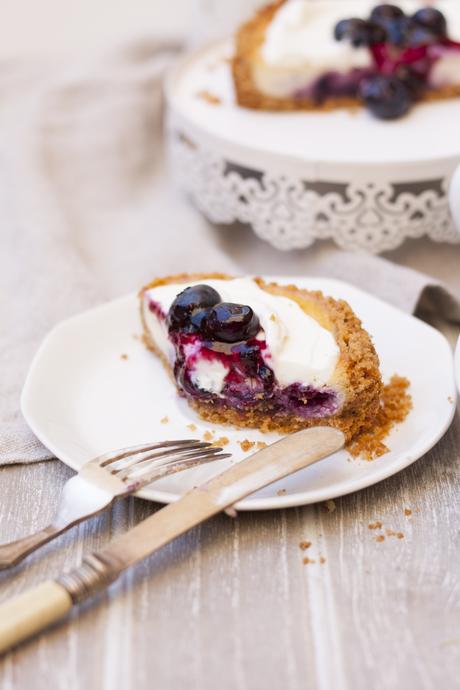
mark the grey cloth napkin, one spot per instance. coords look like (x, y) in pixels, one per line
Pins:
(87, 214)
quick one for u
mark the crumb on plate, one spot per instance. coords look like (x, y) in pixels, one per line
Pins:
(164, 420)
(209, 97)
(246, 445)
(395, 406)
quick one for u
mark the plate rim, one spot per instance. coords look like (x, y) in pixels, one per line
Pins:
(267, 503)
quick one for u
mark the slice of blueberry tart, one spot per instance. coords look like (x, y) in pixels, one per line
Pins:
(299, 54)
(256, 354)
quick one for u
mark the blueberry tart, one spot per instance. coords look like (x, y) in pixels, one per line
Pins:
(256, 354)
(298, 54)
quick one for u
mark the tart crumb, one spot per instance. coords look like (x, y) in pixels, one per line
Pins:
(261, 444)
(307, 560)
(192, 427)
(246, 445)
(379, 537)
(272, 317)
(450, 399)
(322, 560)
(304, 545)
(124, 356)
(209, 97)
(208, 435)
(330, 506)
(375, 525)
(165, 420)
(222, 441)
(392, 533)
(281, 492)
(407, 512)
(395, 406)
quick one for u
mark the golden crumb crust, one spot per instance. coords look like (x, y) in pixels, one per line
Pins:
(249, 39)
(357, 376)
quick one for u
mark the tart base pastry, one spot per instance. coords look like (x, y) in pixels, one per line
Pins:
(251, 382)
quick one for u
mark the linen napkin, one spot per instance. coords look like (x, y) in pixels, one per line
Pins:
(87, 213)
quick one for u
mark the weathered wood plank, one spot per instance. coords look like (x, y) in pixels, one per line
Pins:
(231, 605)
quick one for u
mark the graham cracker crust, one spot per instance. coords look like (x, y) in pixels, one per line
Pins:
(357, 376)
(249, 39)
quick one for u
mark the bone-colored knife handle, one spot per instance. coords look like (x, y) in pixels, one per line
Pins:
(32, 611)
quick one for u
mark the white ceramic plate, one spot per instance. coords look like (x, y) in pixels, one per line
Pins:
(82, 398)
(457, 364)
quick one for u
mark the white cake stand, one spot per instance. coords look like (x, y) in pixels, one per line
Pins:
(297, 177)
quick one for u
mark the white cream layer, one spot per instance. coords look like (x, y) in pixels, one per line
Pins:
(299, 44)
(299, 349)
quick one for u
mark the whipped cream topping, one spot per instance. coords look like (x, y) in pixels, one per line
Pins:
(299, 43)
(299, 349)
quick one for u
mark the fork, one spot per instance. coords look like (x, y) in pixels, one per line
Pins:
(108, 477)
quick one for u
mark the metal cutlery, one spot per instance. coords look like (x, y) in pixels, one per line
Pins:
(106, 478)
(48, 602)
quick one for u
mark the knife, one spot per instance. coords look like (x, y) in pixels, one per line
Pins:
(36, 609)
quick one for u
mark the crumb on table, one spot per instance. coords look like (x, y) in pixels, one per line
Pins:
(407, 512)
(379, 537)
(164, 420)
(392, 533)
(375, 525)
(307, 560)
(304, 545)
(124, 356)
(330, 506)
(322, 560)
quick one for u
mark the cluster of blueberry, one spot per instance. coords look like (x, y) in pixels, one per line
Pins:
(389, 24)
(199, 309)
(401, 47)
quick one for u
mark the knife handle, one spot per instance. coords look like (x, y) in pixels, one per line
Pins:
(32, 611)
(37, 608)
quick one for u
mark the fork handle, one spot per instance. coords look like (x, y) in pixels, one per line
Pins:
(32, 611)
(14, 552)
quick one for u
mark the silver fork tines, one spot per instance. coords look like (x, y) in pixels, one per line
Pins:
(109, 476)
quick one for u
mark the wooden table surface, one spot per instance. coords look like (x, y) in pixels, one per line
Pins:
(232, 605)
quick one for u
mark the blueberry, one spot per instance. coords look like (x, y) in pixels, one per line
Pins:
(358, 32)
(193, 298)
(383, 13)
(399, 31)
(420, 36)
(230, 323)
(431, 19)
(386, 96)
(414, 81)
